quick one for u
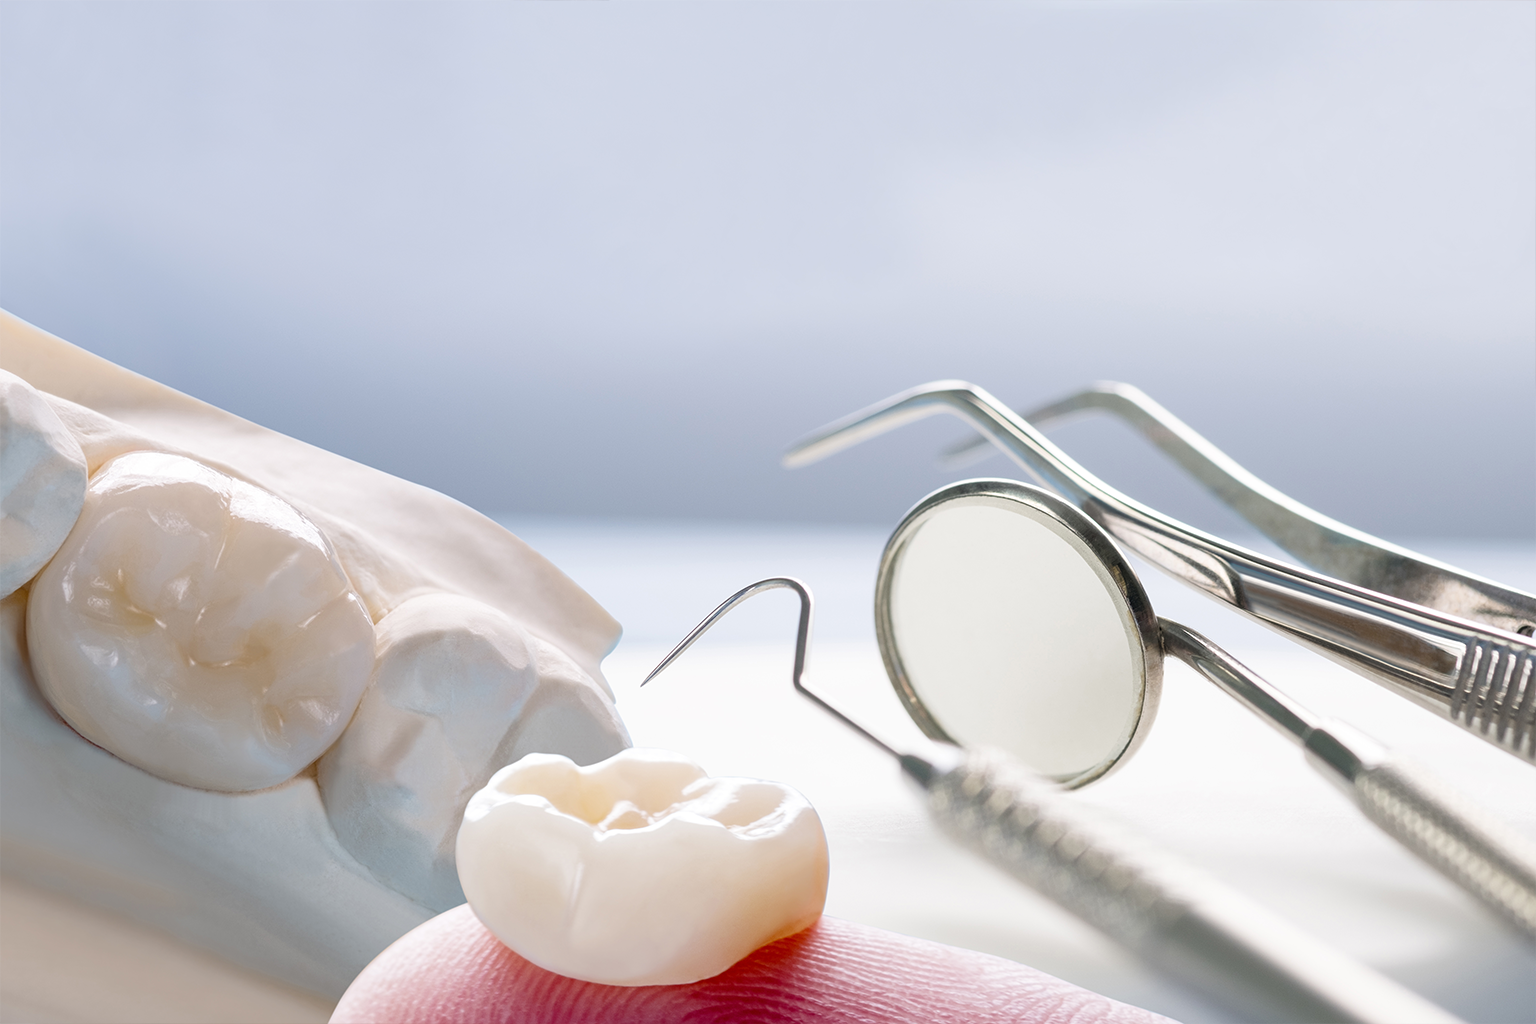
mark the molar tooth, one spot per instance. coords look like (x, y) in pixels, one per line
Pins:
(198, 627)
(42, 482)
(639, 870)
(458, 690)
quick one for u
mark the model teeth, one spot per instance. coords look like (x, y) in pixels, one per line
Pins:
(42, 482)
(639, 870)
(198, 627)
(458, 691)
(217, 644)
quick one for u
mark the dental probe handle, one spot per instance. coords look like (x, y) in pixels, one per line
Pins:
(1494, 864)
(1176, 918)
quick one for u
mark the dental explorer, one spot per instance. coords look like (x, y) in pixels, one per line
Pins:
(1174, 917)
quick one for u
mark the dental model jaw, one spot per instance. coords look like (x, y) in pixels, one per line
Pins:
(198, 627)
(299, 881)
(640, 870)
(42, 482)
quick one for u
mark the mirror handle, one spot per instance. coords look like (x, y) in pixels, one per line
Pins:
(1490, 861)
(1442, 828)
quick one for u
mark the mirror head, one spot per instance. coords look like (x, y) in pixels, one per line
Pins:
(1008, 619)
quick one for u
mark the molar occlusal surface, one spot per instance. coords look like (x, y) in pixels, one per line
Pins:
(640, 870)
(42, 482)
(459, 689)
(198, 627)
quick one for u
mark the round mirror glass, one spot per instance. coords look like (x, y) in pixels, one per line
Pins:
(1004, 627)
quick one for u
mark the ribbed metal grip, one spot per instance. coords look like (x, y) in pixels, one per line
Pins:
(1178, 919)
(1495, 696)
(1486, 859)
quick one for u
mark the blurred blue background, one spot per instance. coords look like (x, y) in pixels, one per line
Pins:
(607, 261)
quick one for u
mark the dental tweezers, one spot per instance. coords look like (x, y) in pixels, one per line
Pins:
(1324, 544)
(1480, 674)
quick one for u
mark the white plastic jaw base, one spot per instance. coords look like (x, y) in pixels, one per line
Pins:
(259, 878)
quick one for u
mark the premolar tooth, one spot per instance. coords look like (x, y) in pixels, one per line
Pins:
(198, 627)
(42, 482)
(639, 870)
(458, 690)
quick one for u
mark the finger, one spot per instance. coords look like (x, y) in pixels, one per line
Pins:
(452, 969)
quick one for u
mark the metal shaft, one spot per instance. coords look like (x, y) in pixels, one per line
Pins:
(1187, 924)
(1492, 863)
(1478, 676)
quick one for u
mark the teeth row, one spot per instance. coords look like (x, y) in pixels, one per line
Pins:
(203, 629)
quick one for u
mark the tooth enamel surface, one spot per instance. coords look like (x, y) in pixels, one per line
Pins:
(458, 691)
(198, 627)
(42, 482)
(640, 870)
(263, 879)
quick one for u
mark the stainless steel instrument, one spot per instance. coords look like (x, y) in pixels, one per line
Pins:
(978, 564)
(1478, 675)
(1325, 544)
(1177, 919)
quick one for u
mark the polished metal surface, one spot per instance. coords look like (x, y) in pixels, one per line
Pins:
(802, 644)
(1186, 924)
(1072, 526)
(1493, 864)
(1325, 544)
(1479, 676)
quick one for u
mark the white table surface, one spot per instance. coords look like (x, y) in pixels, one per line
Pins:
(1212, 782)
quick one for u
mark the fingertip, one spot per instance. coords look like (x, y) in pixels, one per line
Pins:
(452, 969)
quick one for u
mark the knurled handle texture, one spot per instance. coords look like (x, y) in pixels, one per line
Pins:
(1488, 860)
(1169, 913)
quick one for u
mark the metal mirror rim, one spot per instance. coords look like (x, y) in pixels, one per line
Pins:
(1091, 542)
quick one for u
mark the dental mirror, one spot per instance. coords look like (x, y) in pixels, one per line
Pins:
(1007, 619)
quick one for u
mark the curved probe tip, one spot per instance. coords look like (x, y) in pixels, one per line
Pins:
(802, 644)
